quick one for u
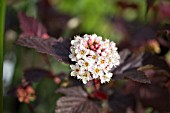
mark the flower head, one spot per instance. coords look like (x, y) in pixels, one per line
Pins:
(94, 58)
(25, 94)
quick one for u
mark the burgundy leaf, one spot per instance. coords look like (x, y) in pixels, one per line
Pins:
(62, 49)
(35, 74)
(158, 77)
(155, 96)
(120, 102)
(151, 59)
(128, 67)
(134, 75)
(48, 46)
(75, 101)
(73, 91)
(31, 27)
(137, 76)
(124, 55)
(34, 36)
(130, 62)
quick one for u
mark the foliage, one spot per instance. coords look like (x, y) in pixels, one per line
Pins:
(140, 84)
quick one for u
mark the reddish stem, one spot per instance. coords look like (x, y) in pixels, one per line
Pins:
(96, 84)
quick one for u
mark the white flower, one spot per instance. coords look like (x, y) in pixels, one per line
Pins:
(96, 71)
(76, 41)
(85, 76)
(102, 62)
(75, 70)
(73, 56)
(81, 53)
(86, 64)
(106, 77)
(93, 58)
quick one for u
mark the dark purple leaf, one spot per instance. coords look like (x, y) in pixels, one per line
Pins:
(128, 67)
(124, 55)
(151, 59)
(57, 48)
(119, 102)
(158, 77)
(73, 91)
(62, 50)
(155, 96)
(31, 27)
(134, 75)
(34, 36)
(130, 62)
(75, 101)
(36, 74)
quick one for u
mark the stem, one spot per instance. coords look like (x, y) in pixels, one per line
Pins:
(2, 18)
(96, 85)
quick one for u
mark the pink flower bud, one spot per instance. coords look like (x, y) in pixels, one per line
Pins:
(45, 36)
(92, 47)
(90, 42)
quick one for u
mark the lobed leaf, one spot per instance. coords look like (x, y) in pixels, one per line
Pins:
(49, 46)
(134, 75)
(35, 36)
(30, 26)
(128, 67)
(73, 91)
(75, 101)
(130, 63)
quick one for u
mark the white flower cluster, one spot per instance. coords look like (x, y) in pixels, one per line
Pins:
(93, 58)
